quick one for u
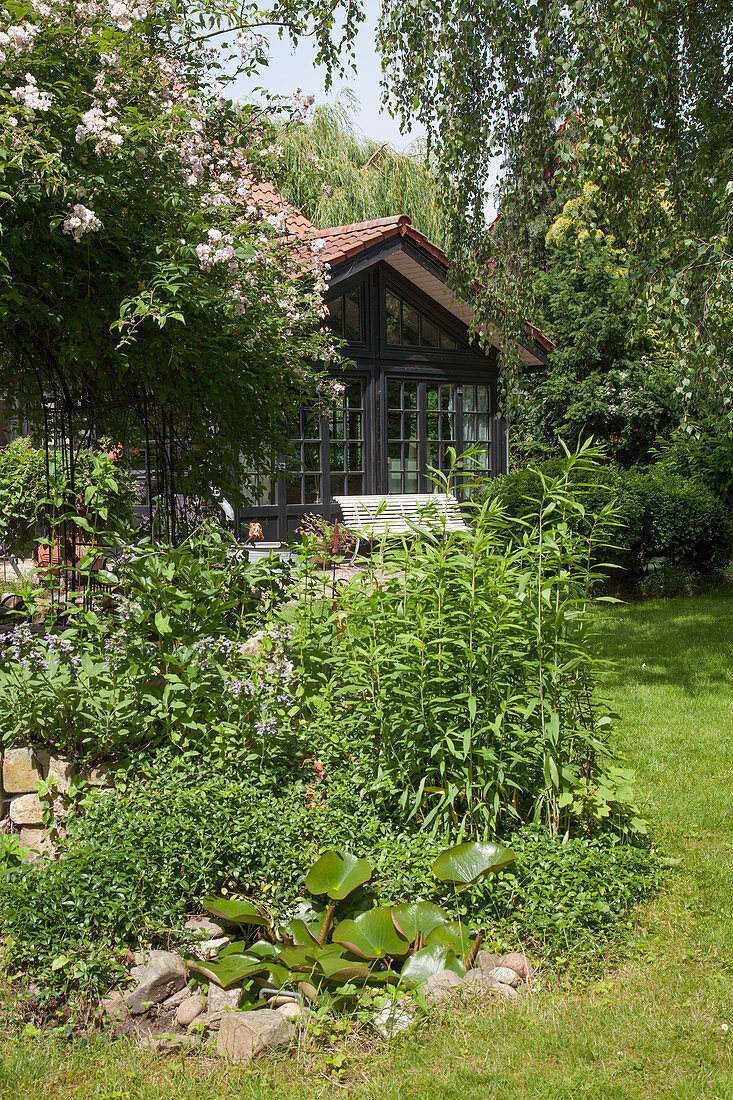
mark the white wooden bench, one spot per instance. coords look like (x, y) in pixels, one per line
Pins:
(375, 517)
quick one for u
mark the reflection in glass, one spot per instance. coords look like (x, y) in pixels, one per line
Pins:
(394, 318)
(410, 325)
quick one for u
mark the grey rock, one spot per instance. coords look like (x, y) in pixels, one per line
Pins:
(394, 1017)
(244, 1035)
(176, 998)
(163, 974)
(114, 1006)
(219, 1003)
(504, 975)
(486, 961)
(205, 925)
(253, 645)
(22, 769)
(518, 962)
(190, 1009)
(477, 983)
(26, 810)
(99, 777)
(440, 986)
(60, 770)
(291, 1010)
(35, 839)
(209, 949)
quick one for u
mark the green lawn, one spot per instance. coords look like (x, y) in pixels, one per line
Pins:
(655, 1027)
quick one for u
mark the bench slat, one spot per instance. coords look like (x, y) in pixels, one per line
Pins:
(360, 512)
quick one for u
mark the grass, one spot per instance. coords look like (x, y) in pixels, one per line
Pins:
(654, 1027)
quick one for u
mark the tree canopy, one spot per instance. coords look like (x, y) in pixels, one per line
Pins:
(635, 98)
(335, 176)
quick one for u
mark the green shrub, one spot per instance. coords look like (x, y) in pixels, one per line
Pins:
(134, 863)
(103, 494)
(659, 518)
(162, 666)
(457, 680)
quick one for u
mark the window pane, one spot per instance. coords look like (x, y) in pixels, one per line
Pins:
(337, 456)
(409, 395)
(394, 425)
(336, 316)
(312, 456)
(338, 485)
(352, 316)
(429, 333)
(354, 483)
(482, 393)
(394, 395)
(394, 312)
(312, 489)
(395, 481)
(447, 342)
(354, 457)
(354, 395)
(411, 482)
(410, 322)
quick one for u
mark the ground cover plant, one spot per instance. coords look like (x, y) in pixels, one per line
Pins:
(655, 1024)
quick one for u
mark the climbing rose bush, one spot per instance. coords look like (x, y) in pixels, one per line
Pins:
(134, 257)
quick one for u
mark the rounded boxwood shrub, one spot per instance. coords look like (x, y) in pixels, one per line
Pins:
(663, 520)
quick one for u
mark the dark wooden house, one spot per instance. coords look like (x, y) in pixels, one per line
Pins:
(418, 384)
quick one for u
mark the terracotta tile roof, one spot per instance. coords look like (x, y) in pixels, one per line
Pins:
(341, 242)
(271, 201)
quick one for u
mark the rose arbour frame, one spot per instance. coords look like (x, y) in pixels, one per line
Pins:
(414, 385)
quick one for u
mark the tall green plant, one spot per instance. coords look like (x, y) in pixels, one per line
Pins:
(463, 668)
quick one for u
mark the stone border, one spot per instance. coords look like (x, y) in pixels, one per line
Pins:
(21, 770)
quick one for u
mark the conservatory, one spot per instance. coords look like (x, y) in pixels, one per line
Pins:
(416, 384)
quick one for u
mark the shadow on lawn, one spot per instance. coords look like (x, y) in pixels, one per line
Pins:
(687, 641)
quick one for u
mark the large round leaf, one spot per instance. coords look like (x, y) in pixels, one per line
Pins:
(237, 910)
(371, 935)
(336, 874)
(415, 917)
(465, 863)
(338, 969)
(431, 960)
(230, 970)
(458, 937)
(301, 933)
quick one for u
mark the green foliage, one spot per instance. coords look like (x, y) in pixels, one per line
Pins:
(131, 267)
(162, 665)
(566, 100)
(136, 861)
(336, 177)
(705, 456)
(102, 494)
(603, 379)
(660, 519)
(457, 679)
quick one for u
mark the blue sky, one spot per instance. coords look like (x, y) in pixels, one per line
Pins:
(290, 69)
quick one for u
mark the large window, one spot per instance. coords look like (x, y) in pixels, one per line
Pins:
(336, 439)
(476, 425)
(303, 477)
(403, 463)
(346, 442)
(408, 327)
(346, 315)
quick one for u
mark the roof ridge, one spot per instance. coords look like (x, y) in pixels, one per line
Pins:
(355, 227)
